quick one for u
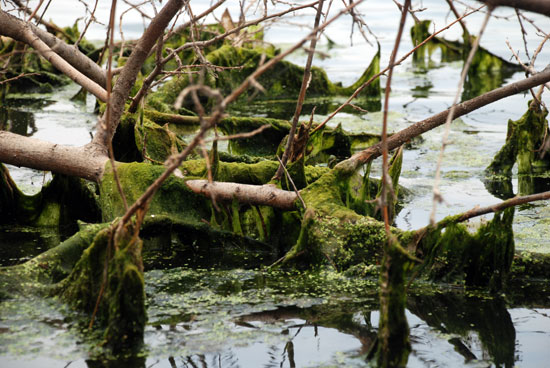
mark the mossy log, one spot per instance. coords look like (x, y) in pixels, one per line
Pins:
(49, 267)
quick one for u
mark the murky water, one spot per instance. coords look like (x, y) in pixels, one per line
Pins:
(251, 318)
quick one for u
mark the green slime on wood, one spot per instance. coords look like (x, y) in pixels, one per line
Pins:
(524, 138)
(120, 291)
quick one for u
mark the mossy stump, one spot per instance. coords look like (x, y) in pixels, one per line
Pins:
(107, 284)
(393, 345)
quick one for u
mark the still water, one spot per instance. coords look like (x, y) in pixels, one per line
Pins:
(254, 318)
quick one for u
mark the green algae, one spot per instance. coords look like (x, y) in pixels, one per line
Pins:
(481, 259)
(156, 143)
(173, 197)
(282, 81)
(331, 231)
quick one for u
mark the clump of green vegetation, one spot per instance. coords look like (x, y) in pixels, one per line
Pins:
(453, 254)
(60, 203)
(524, 138)
(107, 284)
(283, 81)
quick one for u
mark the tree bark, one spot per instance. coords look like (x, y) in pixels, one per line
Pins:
(535, 6)
(265, 195)
(73, 56)
(29, 152)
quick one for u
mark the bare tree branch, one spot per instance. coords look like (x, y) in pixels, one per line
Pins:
(436, 120)
(535, 6)
(18, 30)
(127, 78)
(301, 96)
(12, 27)
(265, 195)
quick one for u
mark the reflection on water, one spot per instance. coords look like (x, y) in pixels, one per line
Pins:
(17, 121)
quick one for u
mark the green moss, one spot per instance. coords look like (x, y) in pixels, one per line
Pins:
(334, 233)
(60, 203)
(120, 291)
(282, 81)
(156, 142)
(173, 197)
(49, 267)
(523, 140)
(453, 254)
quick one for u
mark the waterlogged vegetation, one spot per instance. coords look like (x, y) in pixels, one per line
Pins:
(199, 281)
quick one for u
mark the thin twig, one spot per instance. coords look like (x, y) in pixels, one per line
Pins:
(293, 185)
(109, 102)
(385, 180)
(19, 76)
(302, 95)
(92, 18)
(374, 77)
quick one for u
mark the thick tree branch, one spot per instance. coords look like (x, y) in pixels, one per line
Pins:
(535, 6)
(434, 121)
(29, 152)
(73, 56)
(18, 30)
(127, 78)
(265, 195)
